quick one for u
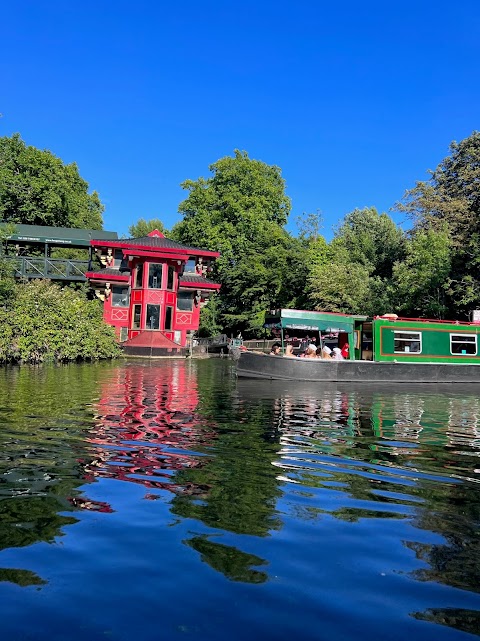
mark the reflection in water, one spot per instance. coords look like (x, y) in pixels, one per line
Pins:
(356, 505)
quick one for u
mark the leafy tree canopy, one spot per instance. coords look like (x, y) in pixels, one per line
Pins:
(37, 188)
(240, 211)
(143, 227)
(450, 201)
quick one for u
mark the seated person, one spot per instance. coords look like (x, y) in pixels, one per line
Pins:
(289, 352)
(337, 354)
(275, 351)
(326, 352)
(310, 353)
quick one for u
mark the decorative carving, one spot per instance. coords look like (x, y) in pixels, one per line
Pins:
(200, 268)
(108, 290)
(198, 297)
(109, 259)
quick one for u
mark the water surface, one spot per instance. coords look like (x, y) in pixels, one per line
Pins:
(170, 501)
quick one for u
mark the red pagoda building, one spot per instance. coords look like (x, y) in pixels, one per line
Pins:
(152, 290)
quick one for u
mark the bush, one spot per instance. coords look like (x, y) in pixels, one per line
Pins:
(44, 322)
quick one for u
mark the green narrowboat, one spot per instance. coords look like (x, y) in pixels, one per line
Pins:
(381, 349)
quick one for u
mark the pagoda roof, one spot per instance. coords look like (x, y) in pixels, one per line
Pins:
(195, 280)
(155, 242)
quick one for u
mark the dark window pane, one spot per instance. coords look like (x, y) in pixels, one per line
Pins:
(120, 297)
(155, 275)
(170, 279)
(463, 345)
(185, 301)
(153, 317)
(168, 317)
(137, 311)
(139, 276)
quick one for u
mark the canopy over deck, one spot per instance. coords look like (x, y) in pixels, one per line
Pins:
(60, 236)
(299, 319)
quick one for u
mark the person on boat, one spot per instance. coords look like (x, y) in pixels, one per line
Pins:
(337, 354)
(326, 352)
(289, 352)
(311, 352)
(275, 351)
(345, 350)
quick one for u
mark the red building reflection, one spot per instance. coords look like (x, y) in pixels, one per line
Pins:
(147, 427)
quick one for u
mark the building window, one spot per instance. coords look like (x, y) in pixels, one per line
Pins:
(139, 276)
(123, 334)
(120, 297)
(190, 266)
(137, 313)
(185, 301)
(171, 277)
(463, 344)
(168, 317)
(155, 271)
(153, 317)
(408, 342)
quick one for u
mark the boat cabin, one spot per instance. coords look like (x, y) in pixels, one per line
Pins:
(387, 338)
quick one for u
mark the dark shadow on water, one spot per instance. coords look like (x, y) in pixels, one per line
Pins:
(231, 562)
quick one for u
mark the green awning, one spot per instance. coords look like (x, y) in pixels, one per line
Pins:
(311, 325)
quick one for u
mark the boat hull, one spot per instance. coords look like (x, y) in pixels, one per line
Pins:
(253, 365)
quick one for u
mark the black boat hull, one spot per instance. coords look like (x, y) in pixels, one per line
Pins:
(254, 365)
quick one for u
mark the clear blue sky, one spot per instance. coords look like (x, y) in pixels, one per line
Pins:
(355, 101)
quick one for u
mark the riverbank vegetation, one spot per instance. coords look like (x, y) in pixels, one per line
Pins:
(42, 322)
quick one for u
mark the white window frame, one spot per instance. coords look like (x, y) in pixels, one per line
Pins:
(401, 331)
(462, 341)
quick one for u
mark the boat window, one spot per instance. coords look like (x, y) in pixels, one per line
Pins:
(408, 342)
(463, 344)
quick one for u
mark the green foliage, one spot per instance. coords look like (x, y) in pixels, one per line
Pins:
(450, 201)
(143, 227)
(37, 188)
(422, 279)
(209, 318)
(353, 273)
(240, 211)
(47, 323)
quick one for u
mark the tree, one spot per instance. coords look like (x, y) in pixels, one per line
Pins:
(450, 200)
(37, 188)
(143, 227)
(372, 239)
(240, 211)
(421, 282)
(353, 273)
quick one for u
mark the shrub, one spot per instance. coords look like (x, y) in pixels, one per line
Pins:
(45, 322)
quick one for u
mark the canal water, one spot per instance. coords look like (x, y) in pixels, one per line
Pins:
(167, 500)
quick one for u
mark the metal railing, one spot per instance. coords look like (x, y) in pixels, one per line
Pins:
(48, 268)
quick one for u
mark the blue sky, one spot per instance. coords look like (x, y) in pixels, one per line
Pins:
(355, 101)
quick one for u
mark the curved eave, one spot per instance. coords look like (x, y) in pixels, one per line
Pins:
(205, 285)
(107, 278)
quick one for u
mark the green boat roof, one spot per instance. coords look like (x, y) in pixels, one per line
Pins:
(311, 321)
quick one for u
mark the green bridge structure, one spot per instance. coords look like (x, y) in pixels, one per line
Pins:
(28, 249)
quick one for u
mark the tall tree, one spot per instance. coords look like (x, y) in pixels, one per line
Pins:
(421, 282)
(37, 188)
(240, 211)
(353, 273)
(143, 227)
(450, 200)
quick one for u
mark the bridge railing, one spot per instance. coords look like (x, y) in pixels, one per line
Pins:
(49, 268)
